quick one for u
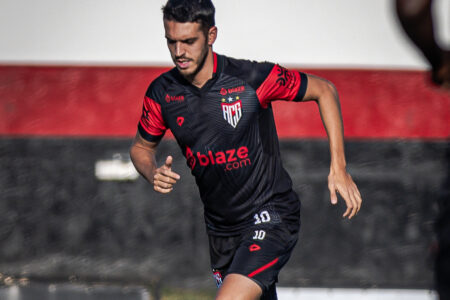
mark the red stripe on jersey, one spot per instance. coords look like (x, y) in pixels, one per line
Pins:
(281, 84)
(151, 118)
(215, 62)
(265, 267)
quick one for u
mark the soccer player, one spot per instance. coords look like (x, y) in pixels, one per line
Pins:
(219, 110)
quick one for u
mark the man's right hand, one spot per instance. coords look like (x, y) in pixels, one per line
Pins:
(164, 178)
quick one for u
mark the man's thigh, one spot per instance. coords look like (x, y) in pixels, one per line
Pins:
(239, 287)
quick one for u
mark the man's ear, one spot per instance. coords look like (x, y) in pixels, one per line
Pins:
(212, 35)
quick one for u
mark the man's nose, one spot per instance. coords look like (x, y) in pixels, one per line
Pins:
(179, 49)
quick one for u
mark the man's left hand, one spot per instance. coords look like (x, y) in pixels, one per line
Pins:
(341, 182)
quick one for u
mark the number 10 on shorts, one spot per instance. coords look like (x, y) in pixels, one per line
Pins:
(259, 235)
(262, 217)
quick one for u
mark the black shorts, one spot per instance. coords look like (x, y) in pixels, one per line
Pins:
(258, 253)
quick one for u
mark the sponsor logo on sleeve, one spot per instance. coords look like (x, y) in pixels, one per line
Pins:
(285, 78)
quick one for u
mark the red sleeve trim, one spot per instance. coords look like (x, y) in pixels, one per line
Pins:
(280, 84)
(151, 119)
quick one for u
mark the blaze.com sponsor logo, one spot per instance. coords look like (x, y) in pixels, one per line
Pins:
(231, 159)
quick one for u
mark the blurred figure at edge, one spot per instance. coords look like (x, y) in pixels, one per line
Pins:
(416, 18)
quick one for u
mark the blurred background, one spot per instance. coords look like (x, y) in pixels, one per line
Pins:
(76, 222)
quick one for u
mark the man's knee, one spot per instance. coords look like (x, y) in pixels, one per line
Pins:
(235, 296)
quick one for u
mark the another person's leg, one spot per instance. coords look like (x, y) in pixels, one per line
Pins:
(416, 18)
(442, 227)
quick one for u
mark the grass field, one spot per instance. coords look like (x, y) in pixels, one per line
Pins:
(171, 294)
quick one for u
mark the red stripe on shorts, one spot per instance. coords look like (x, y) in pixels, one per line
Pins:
(257, 271)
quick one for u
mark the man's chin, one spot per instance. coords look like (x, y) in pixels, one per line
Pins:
(186, 72)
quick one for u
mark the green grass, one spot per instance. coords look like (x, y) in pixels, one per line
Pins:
(172, 294)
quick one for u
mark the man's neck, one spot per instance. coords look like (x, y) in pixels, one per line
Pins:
(206, 72)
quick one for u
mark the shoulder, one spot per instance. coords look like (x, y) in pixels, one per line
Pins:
(159, 86)
(250, 71)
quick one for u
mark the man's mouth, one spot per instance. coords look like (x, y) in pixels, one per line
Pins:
(182, 63)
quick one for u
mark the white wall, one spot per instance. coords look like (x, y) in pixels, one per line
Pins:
(318, 33)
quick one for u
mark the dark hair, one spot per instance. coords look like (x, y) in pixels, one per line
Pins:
(201, 11)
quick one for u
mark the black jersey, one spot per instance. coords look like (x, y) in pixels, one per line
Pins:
(227, 133)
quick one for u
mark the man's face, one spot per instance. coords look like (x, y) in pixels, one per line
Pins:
(188, 46)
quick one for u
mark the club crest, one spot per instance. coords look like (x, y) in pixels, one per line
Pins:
(218, 277)
(232, 111)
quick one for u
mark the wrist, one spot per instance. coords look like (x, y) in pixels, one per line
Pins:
(338, 166)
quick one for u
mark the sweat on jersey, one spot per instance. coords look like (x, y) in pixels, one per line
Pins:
(227, 133)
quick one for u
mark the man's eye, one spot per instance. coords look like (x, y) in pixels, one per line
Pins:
(190, 42)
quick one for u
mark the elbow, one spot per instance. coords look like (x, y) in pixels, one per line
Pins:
(328, 91)
(320, 89)
(132, 153)
(132, 150)
(330, 87)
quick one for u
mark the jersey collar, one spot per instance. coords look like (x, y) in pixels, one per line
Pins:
(217, 69)
(218, 64)
(215, 63)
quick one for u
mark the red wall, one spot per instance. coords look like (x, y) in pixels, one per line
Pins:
(106, 101)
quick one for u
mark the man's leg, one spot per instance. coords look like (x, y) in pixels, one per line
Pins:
(247, 266)
(416, 18)
(255, 266)
(239, 287)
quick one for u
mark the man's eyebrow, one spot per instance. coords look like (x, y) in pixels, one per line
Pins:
(192, 39)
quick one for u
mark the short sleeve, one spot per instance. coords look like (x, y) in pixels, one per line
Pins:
(151, 125)
(282, 84)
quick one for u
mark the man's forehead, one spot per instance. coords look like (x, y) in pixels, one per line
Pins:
(181, 29)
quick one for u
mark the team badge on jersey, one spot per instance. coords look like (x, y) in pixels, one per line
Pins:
(232, 111)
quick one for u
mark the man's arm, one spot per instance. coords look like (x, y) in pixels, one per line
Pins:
(142, 155)
(326, 96)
